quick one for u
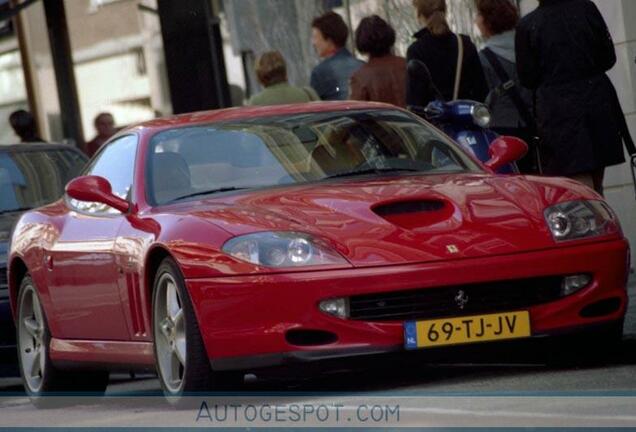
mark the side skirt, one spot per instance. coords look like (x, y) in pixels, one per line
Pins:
(111, 355)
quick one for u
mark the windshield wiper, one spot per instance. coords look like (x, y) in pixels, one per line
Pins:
(370, 171)
(208, 192)
(21, 209)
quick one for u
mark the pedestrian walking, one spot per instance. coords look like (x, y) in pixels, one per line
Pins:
(331, 77)
(510, 104)
(383, 78)
(452, 59)
(24, 126)
(271, 71)
(105, 126)
(563, 50)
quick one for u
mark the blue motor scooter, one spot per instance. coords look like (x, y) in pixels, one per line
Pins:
(465, 121)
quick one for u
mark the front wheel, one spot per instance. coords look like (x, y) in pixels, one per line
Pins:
(589, 348)
(182, 362)
(39, 376)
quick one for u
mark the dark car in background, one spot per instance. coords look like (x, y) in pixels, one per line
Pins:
(31, 175)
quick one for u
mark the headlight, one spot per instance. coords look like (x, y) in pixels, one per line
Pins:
(580, 219)
(282, 249)
(481, 115)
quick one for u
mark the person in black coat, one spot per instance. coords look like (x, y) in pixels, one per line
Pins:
(437, 47)
(563, 50)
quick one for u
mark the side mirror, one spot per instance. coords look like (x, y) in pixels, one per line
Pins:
(96, 189)
(505, 150)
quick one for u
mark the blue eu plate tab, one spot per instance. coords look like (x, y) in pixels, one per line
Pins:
(410, 335)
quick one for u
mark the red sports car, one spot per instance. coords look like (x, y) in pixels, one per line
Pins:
(215, 243)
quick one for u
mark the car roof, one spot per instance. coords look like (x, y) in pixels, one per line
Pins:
(252, 112)
(25, 147)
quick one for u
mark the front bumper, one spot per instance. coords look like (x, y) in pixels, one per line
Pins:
(7, 329)
(245, 320)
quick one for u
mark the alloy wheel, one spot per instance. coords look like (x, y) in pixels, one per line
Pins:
(170, 333)
(31, 339)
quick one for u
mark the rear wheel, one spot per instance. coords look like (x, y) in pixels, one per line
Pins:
(39, 376)
(182, 362)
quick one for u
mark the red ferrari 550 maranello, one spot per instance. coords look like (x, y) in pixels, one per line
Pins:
(215, 243)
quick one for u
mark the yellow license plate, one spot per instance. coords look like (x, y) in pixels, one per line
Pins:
(470, 329)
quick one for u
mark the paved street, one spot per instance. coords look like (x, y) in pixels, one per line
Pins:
(507, 385)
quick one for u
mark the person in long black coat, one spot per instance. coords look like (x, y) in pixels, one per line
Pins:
(437, 47)
(563, 50)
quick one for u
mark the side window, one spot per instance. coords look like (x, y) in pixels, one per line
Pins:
(116, 163)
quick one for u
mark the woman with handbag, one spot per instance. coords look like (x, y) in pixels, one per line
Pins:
(510, 104)
(564, 50)
(451, 58)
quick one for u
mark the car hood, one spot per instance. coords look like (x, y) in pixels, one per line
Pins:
(403, 219)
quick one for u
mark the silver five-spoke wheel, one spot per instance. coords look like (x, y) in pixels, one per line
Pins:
(170, 333)
(31, 339)
(181, 358)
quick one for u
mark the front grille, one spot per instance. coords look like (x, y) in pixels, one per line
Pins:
(490, 297)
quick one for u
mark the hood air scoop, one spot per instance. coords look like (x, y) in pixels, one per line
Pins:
(414, 214)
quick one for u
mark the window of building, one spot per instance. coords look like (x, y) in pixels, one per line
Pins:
(96, 4)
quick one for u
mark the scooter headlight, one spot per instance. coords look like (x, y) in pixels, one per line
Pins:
(481, 116)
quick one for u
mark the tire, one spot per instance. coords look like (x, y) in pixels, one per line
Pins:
(39, 376)
(606, 342)
(182, 362)
(587, 349)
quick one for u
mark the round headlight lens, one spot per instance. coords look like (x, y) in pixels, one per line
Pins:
(275, 257)
(481, 116)
(299, 251)
(581, 226)
(559, 224)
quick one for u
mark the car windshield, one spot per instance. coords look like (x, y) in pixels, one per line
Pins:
(300, 148)
(30, 179)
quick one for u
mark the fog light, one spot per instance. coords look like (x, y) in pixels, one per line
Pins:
(572, 284)
(336, 307)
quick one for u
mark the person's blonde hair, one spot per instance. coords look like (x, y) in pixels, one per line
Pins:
(271, 68)
(434, 11)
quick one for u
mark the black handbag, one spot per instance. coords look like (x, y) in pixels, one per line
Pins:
(509, 87)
